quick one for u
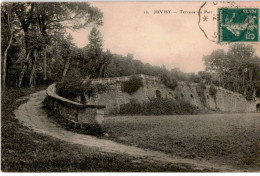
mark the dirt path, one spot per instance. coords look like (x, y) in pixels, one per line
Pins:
(32, 115)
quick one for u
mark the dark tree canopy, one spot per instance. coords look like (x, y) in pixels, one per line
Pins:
(35, 34)
(238, 69)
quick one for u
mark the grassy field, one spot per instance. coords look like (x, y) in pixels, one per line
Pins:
(232, 139)
(23, 150)
(228, 139)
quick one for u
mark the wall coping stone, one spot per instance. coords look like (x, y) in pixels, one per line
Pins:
(51, 92)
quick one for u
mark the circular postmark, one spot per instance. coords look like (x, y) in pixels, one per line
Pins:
(225, 22)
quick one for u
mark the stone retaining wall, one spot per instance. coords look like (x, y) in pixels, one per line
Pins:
(225, 100)
(75, 113)
(114, 80)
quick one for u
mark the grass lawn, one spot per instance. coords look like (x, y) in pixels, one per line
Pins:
(23, 150)
(232, 139)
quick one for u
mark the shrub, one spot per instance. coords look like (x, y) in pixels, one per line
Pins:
(200, 88)
(158, 106)
(202, 85)
(132, 85)
(194, 78)
(188, 108)
(72, 86)
(169, 82)
(249, 95)
(165, 106)
(212, 91)
(133, 107)
(101, 88)
(162, 106)
(188, 84)
(94, 89)
(216, 82)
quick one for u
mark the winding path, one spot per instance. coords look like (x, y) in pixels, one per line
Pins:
(32, 114)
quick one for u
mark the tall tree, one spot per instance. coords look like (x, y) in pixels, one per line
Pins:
(51, 18)
(67, 47)
(94, 49)
(238, 69)
(106, 58)
(7, 26)
(56, 17)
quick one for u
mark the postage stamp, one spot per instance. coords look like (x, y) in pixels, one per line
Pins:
(238, 25)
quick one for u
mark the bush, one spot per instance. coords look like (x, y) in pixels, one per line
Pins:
(162, 106)
(249, 95)
(194, 78)
(169, 82)
(94, 89)
(133, 107)
(72, 86)
(158, 106)
(212, 91)
(101, 88)
(132, 85)
(200, 88)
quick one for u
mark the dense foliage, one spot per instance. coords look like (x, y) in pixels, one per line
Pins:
(132, 85)
(213, 91)
(169, 82)
(36, 47)
(72, 87)
(237, 70)
(158, 106)
(200, 88)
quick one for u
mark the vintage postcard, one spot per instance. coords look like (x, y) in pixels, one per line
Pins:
(130, 86)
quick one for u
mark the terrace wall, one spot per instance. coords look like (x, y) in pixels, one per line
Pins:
(76, 114)
(225, 100)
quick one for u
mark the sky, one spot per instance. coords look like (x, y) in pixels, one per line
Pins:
(172, 38)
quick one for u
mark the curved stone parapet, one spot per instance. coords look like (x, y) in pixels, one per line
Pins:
(77, 114)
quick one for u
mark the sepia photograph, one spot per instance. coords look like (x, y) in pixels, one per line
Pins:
(92, 86)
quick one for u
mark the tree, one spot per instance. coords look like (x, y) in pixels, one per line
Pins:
(206, 76)
(95, 57)
(56, 17)
(194, 78)
(237, 70)
(7, 21)
(67, 47)
(50, 18)
(106, 58)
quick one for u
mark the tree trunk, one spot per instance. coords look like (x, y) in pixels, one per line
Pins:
(101, 70)
(254, 94)
(34, 78)
(24, 69)
(245, 91)
(243, 85)
(251, 76)
(32, 75)
(66, 68)
(44, 66)
(7, 48)
(4, 61)
(22, 75)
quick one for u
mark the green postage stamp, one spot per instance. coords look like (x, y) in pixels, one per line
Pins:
(238, 25)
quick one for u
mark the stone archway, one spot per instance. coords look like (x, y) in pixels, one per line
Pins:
(258, 107)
